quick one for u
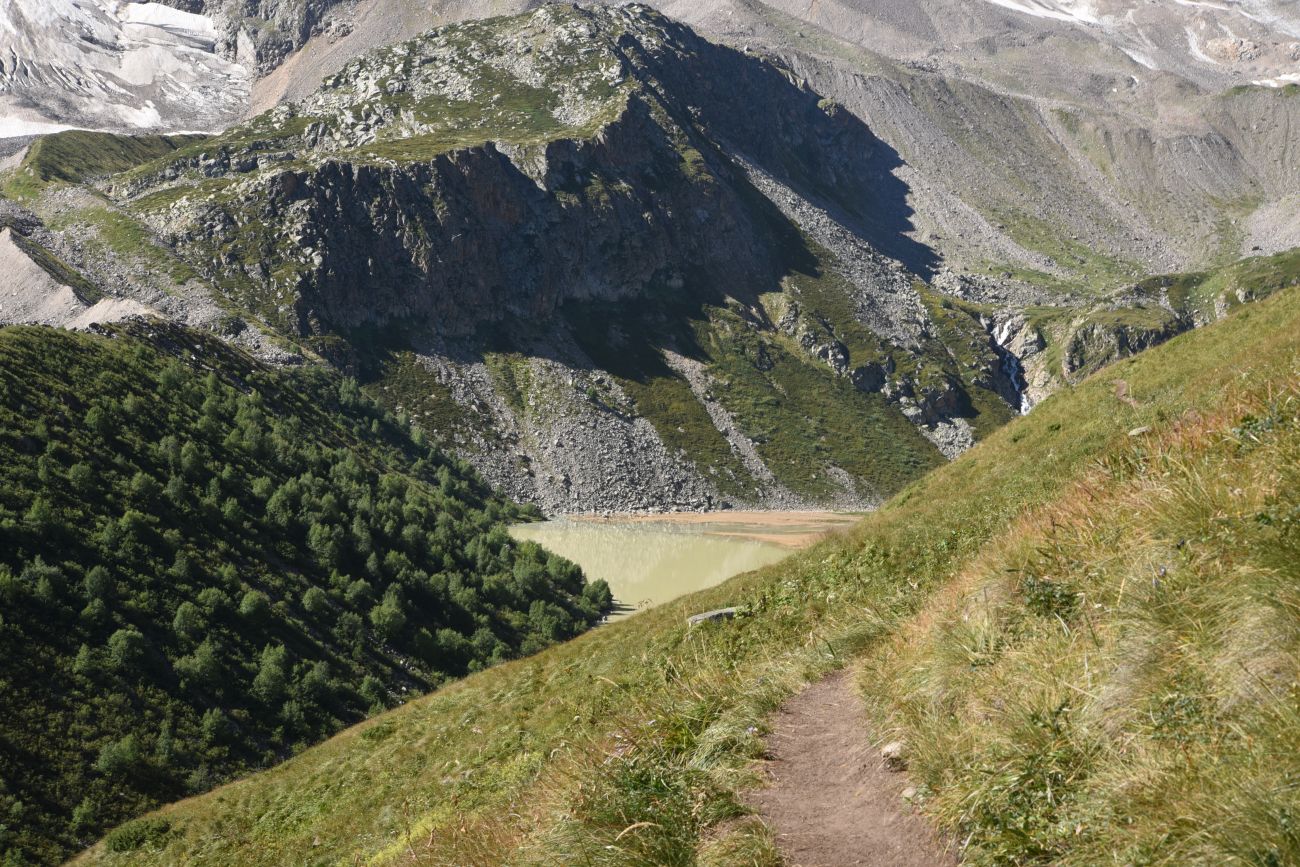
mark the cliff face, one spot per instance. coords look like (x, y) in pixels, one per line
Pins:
(259, 34)
(420, 184)
(613, 264)
(477, 234)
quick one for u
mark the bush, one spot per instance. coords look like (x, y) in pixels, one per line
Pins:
(138, 834)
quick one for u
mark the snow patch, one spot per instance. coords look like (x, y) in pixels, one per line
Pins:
(113, 65)
(1280, 81)
(166, 18)
(1073, 11)
(15, 127)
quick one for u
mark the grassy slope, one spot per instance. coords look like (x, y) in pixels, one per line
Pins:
(1114, 680)
(206, 566)
(800, 415)
(1081, 340)
(629, 744)
(1196, 294)
(77, 155)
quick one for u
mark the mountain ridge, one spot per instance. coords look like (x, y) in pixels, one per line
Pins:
(735, 289)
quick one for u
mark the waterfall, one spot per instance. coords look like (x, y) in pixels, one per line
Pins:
(1012, 369)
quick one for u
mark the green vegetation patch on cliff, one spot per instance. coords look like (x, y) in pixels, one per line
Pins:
(125, 237)
(805, 420)
(1202, 294)
(76, 156)
(1081, 340)
(207, 565)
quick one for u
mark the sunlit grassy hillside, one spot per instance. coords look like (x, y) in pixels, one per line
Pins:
(1084, 630)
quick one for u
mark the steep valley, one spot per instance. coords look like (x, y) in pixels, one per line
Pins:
(1051, 610)
(307, 305)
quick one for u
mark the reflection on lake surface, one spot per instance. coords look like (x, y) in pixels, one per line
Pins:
(647, 562)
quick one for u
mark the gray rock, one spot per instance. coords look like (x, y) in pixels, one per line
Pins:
(894, 755)
(714, 616)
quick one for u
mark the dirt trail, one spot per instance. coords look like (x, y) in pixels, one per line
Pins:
(831, 801)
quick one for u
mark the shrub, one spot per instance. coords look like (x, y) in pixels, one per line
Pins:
(138, 834)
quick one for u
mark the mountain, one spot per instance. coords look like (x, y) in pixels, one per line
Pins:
(1041, 143)
(259, 34)
(208, 564)
(1083, 629)
(666, 302)
(616, 266)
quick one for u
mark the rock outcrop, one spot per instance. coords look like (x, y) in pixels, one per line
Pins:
(509, 186)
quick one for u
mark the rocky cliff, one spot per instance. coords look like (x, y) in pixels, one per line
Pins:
(260, 34)
(580, 236)
(611, 263)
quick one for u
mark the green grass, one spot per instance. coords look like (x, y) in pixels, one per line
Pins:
(630, 744)
(1103, 336)
(513, 378)
(504, 106)
(1079, 340)
(964, 339)
(1198, 294)
(125, 237)
(1113, 681)
(1286, 90)
(1091, 272)
(803, 418)
(826, 299)
(77, 156)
